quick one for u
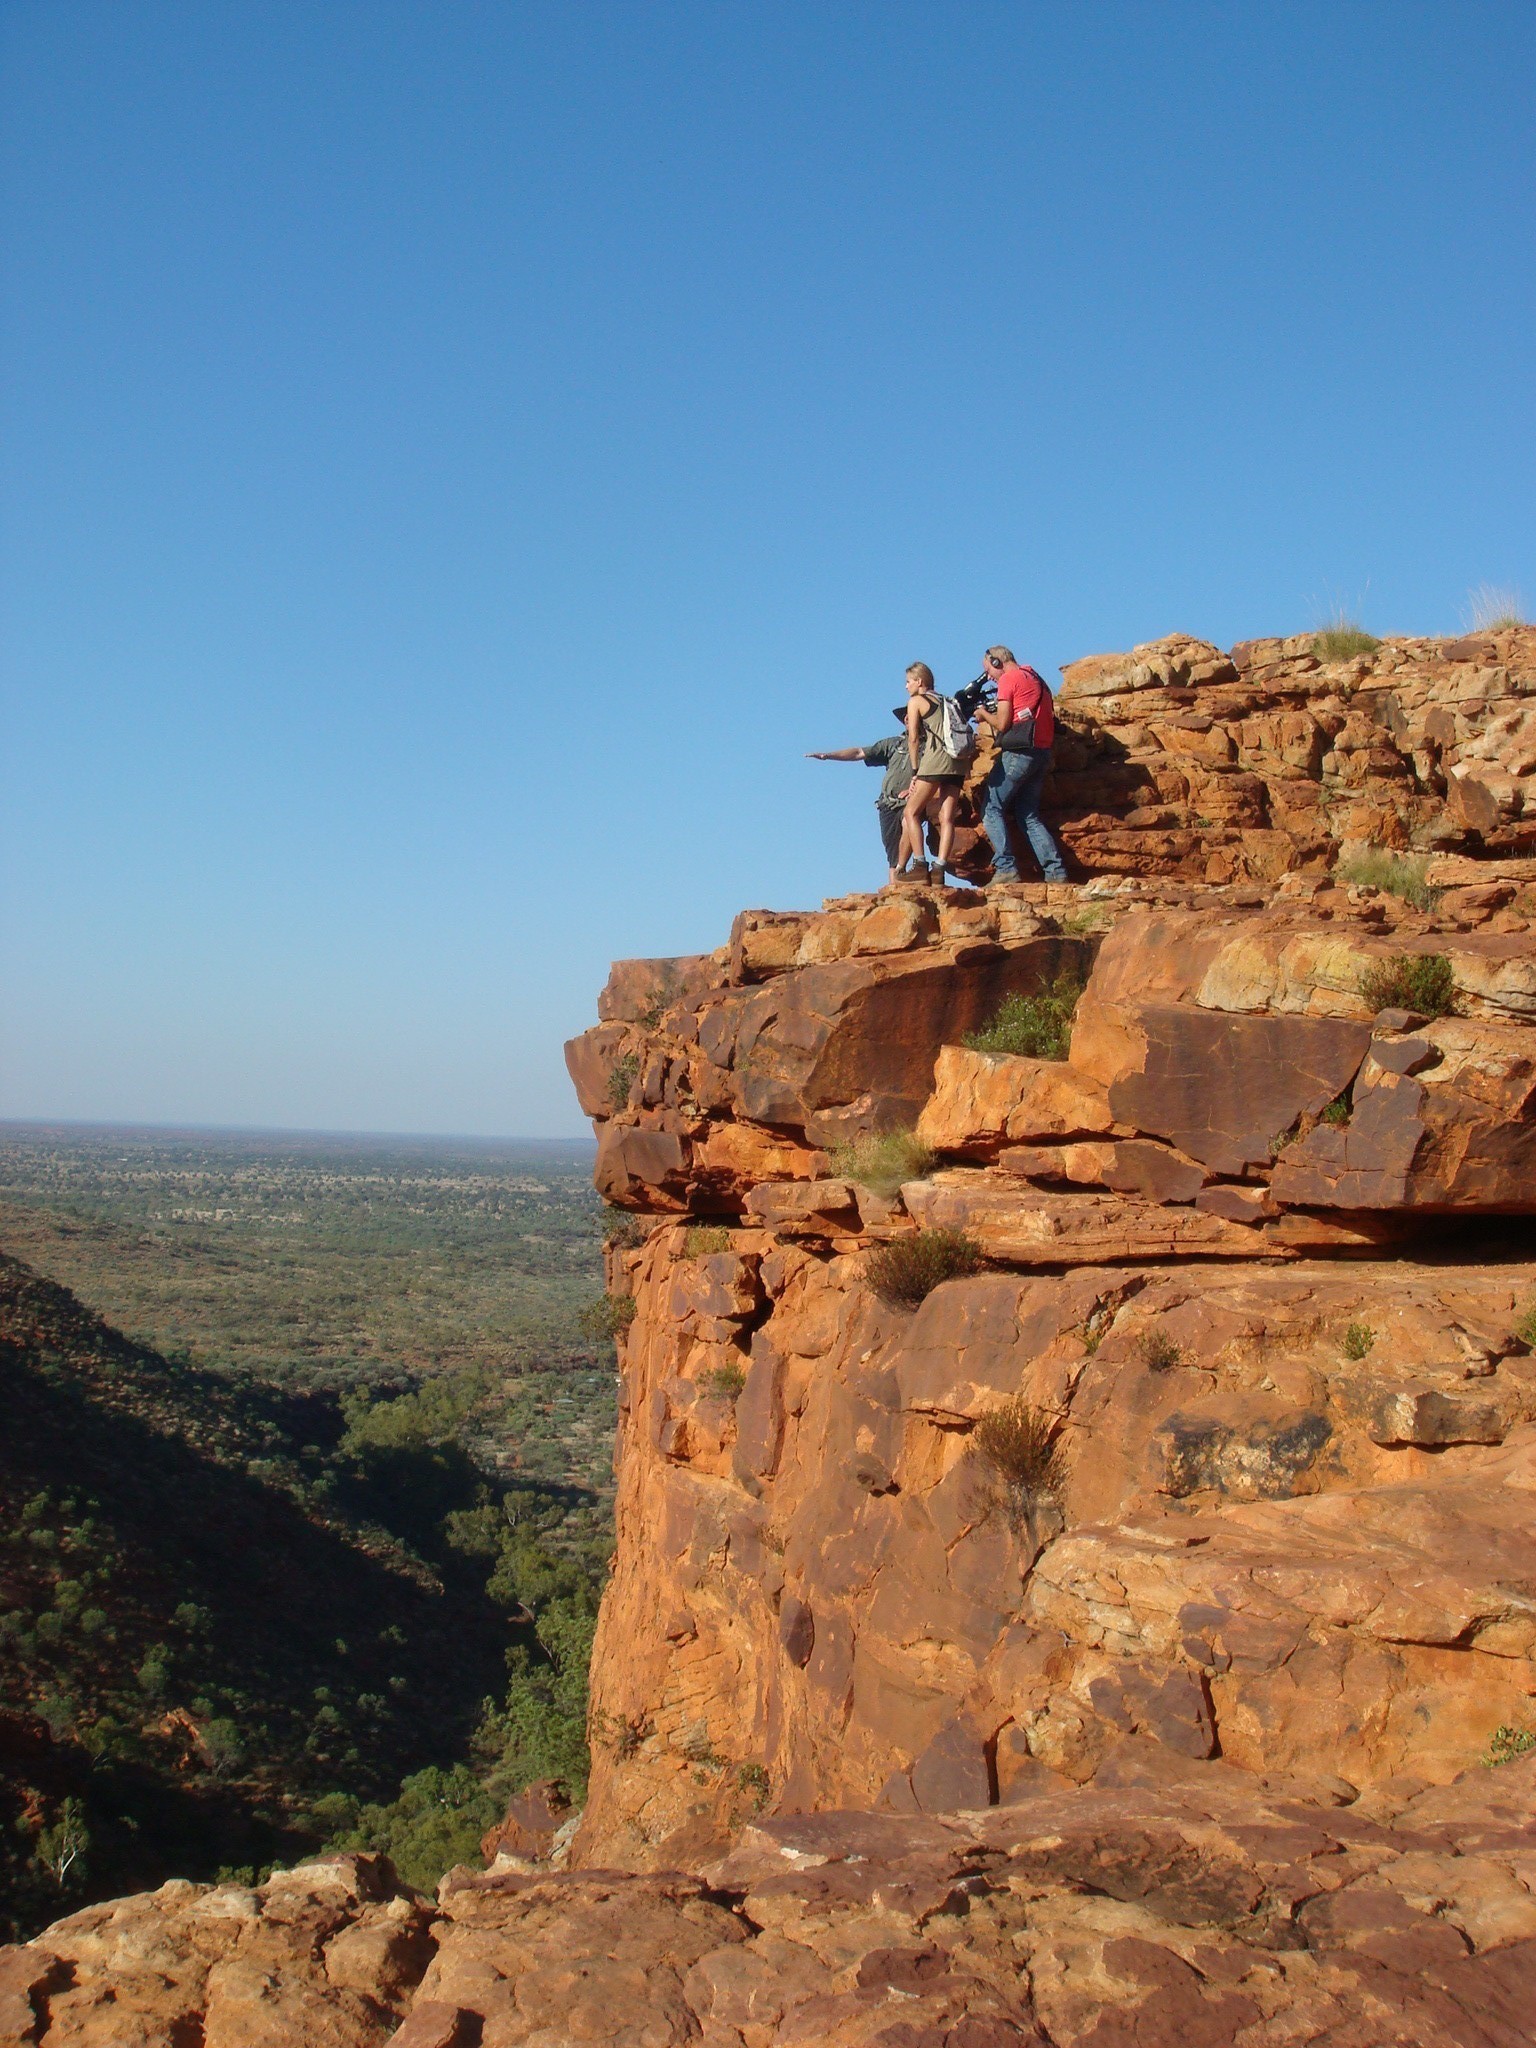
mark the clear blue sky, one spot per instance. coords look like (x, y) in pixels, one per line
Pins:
(458, 458)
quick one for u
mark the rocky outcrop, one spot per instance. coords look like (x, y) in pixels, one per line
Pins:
(1253, 1255)
(326, 1955)
(1178, 759)
(1180, 1902)
(1293, 1530)
(1192, 1711)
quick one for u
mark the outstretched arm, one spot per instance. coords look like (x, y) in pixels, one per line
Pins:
(844, 754)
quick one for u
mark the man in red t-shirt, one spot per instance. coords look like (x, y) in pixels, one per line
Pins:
(1025, 725)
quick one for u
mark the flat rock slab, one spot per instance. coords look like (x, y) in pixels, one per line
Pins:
(1207, 1910)
(1027, 1226)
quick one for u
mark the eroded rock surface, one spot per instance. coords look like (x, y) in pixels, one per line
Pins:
(1182, 1743)
(1183, 1902)
(324, 1956)
(1256, 1250)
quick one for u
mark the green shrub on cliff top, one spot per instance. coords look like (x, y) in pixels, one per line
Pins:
(1039, 1026)
(1343, 638)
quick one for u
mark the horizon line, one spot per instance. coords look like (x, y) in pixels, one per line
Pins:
(192, 1130)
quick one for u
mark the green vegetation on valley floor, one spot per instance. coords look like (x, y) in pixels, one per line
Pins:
(332, 1515)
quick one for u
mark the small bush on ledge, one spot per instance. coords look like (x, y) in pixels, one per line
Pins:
(622, 1078)
(624, 1231)
(1342, 639)
(1026, 1467)
(705, 1239)
(882, 1161)
(608, 1316)
(1402, 875)
(725, 1382)
(1358, 1339)
(1508, 1744)
(1158, 1353)
(1410, 981)
(905, 1272)
(1039, 1026)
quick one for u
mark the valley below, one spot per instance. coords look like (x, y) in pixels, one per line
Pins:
(306, 1499)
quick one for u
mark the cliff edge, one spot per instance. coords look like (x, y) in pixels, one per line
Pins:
(1077, 1586)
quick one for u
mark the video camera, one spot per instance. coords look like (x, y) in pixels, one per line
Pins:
(970, 700)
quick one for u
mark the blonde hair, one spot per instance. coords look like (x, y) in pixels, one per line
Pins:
(1003, 653)
(922, 670)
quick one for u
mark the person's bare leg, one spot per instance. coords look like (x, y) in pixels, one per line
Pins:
(912, 823)
(948, 811)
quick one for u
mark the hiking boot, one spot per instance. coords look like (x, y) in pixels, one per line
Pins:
(917, 872)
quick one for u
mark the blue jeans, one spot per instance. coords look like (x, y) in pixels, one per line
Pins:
(1013, 789)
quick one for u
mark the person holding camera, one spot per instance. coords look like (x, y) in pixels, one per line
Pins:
(1024, 722)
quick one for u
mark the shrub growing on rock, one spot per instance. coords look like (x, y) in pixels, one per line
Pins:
(624, 1232)
(706, 1239)
(1343, 638)
(905, 1272)
(882, 1161)
(1509, 1743)
(725, 1382)
(1158, 1353)
(608, 1315)
(1024, 1463)
(1039, 1026)
(622, 1078)
(1410, 981)
(1358, 1339)
(1525, 1325)
(1403, 875)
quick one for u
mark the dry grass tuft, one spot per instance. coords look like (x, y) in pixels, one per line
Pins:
(882, 1161)
(1343, 638)
(1026, 1465)
(1401, 875)
(905, 1272)
(1491, 609)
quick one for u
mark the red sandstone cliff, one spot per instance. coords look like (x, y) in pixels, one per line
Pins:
(1188, 1749)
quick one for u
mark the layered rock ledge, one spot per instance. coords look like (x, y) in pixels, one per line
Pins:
(1163, 1908)
(1198, 1742)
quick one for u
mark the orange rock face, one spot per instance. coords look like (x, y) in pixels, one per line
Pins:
(1180, 1900)
(1235, 1268)
(1177, 759)
(1126, 1643)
